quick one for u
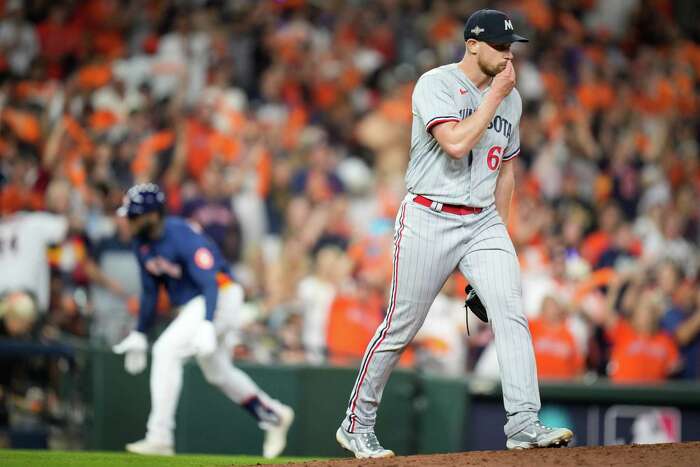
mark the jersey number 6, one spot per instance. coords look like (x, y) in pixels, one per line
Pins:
(493, 158)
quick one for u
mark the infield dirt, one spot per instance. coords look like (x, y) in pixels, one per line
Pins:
(648, 455)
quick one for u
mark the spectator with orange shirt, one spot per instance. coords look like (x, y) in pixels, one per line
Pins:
(556, 352)
(640, 351)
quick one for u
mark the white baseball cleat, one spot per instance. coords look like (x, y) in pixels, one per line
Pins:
(363, 445)
(276, 435)
(538, 435)
(150, 448)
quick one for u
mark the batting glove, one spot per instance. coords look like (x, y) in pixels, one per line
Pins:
(204, 341)
(134, 348)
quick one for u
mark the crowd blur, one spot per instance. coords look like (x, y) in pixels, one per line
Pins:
(283, 128)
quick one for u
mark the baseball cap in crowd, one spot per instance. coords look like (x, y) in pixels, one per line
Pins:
(491, 26)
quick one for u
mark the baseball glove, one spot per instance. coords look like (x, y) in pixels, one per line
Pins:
(474, 304)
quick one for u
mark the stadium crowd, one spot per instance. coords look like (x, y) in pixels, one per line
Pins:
(282, 127)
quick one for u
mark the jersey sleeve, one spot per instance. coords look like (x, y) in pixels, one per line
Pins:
(149, 299)
(197, 256)
(433, 102)
(513, 147)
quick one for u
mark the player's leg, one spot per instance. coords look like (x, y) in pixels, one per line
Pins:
(491, 266)
(169, 354)
(424, 256)
(272, 416)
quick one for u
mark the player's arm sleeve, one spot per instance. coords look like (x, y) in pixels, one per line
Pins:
(149, 300)
(433, 102)
(513, 147)
(199, 261)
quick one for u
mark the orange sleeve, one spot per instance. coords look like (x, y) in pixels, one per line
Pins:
(94, 76)
(264, 170)
(356, 251)
(148, 147)
(25, 125)
(593, 246)
(141, 162)
(619, 331)
(76, 132)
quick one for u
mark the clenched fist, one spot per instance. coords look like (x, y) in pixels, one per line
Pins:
(504, 81)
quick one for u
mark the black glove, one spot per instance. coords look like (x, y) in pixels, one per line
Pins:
(474, 304)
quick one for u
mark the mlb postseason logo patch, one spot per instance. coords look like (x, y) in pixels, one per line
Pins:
(203, 258)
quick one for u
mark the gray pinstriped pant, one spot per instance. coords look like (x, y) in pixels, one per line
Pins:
(428, 246)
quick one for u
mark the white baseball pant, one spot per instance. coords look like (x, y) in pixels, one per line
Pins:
(428, 246)
(171, 351)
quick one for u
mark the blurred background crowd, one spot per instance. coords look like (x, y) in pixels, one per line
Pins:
(283, 128)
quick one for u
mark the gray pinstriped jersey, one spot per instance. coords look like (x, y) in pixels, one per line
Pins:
(445, 94)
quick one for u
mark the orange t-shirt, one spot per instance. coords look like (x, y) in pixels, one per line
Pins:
(640, 359)
(351, 325)
(556, 353)
(372, 255)
(145, 155)
(204, 143)
(594, 245)
(352, 322)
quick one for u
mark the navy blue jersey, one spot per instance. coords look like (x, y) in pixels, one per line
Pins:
(186, 262)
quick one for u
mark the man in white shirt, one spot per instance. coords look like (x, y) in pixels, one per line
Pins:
(24, 238)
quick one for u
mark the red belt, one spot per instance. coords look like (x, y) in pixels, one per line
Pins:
(450, 208)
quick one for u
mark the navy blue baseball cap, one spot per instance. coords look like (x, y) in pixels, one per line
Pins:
(141, 199)
(491, 26)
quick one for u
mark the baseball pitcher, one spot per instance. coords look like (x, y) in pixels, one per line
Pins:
(460, 182)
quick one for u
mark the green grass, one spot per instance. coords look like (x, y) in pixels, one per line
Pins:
(17, 458)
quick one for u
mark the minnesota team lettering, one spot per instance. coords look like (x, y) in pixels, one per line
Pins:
(498, 124)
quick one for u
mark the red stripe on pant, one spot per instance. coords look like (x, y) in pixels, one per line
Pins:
(392, 307)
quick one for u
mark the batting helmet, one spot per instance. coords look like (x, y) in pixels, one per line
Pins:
(141, 199)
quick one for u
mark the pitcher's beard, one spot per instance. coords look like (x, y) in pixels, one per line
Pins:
(489, 71)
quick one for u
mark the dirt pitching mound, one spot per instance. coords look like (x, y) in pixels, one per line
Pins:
(651, 455)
